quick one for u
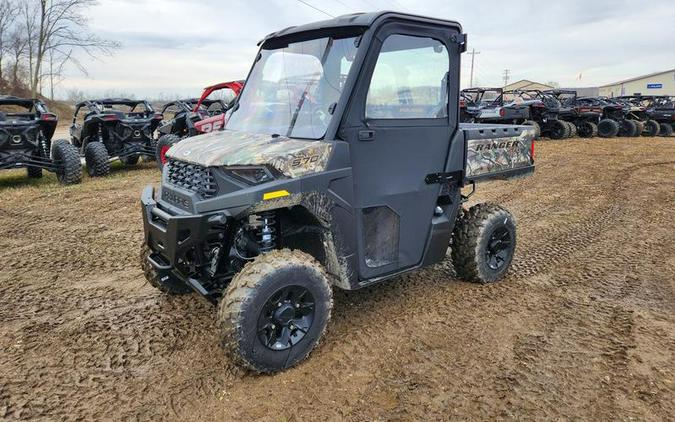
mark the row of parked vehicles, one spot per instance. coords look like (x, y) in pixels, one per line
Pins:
(560, 113)
(102, 131)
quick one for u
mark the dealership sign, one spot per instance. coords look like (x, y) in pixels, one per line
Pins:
(654, 86)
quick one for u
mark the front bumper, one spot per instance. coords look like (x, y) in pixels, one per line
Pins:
(172, 237)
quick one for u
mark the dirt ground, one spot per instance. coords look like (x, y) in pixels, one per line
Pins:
(582, 328)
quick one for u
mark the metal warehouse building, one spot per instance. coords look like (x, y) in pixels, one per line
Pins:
(661, 83)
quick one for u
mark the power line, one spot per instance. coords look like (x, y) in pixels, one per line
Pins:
(316, 8)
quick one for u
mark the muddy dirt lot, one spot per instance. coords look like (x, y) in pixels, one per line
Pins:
(583, 326)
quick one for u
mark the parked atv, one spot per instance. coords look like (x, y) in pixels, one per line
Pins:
(26, 131)
(114, 129)
(614, 117)
(662, 109)
(353, 180)
(584, 117)
(641, 109)
(544, 109)
(194, 116)
(486, 105)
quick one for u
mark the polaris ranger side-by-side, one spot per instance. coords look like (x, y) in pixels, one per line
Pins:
(114, 129)
(544, 109)
(341, 166)
(26, 131)
(195, 116)
(486, 105)
(584, 118)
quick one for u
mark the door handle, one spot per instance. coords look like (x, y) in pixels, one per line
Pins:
(366, 135)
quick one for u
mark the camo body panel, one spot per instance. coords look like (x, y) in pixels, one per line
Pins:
(486, 156)
(291, 157)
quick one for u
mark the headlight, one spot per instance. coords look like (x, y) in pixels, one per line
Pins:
(252, 175)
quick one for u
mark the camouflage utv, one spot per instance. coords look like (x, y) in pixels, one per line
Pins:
(331, 174)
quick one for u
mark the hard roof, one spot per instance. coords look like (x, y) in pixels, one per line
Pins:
(9, 99)
(355, 20)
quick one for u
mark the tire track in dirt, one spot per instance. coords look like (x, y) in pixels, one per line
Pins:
(87, 339)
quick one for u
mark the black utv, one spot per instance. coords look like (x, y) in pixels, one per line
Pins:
(584, 117)
(26, 131)
(662, 109)
(114, 129)
(614, 119)
(182, 121)
(486, 105)
(341, 166)
(542, 108)
(641, 108)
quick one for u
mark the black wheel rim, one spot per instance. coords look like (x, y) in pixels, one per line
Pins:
(498, 248)
(286, 318)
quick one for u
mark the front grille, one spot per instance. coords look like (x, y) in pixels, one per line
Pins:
(192, 177)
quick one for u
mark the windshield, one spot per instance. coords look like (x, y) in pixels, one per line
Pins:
(293, 90)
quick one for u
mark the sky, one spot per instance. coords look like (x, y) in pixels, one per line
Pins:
(176, 47)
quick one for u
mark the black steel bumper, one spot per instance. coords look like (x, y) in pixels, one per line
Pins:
(170, 237)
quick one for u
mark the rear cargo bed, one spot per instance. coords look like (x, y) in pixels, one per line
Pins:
(497, 151)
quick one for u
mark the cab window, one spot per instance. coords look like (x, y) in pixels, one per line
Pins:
(409, 80)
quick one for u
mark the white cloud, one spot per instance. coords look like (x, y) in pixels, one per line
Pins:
(177, 47)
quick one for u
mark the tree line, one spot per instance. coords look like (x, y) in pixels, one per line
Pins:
(38, 38)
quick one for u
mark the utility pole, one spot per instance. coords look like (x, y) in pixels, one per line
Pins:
(507, 75)
(473, 56)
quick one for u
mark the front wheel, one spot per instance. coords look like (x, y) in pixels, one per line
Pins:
(652, 128)
(275, 311)
(483, 243)
(666, 129)
(163, 144)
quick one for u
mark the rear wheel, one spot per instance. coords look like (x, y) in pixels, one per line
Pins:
(165, 142)
(652, 128)
(665, 129)
(275, 311)
(34, 172)
(628, 128)
(608, 128)
(639, 127)
(535, 125)
(67, 157)
(483, 243)
(130, 160)
(97, 159)
(558, 130)
(573, 130)
(587, 129)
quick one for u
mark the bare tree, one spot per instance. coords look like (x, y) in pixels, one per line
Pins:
(18, 44)
(8, 14)
(56, 28)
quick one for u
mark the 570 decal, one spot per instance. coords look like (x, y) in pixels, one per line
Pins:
(304, 160)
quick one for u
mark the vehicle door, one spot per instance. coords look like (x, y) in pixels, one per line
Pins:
(399, 125)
